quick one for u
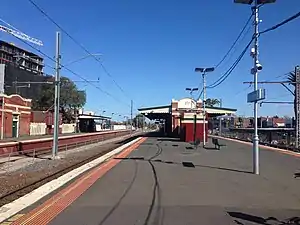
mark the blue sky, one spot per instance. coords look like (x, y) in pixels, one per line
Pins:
(152, 47)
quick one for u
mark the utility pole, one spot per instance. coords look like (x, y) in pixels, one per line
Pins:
(297, 86)
(204, 114)
(131, 111)
(256, 63)
(2, 116)
(204, 71)
(56, 98)
(257, 94)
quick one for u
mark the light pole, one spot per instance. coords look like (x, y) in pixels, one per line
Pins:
(102, 123)
(191, 90)
(257, 94)
(111, 126)
(204, 71)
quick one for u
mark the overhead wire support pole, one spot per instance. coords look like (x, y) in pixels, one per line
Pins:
(2, 115)
(204, 114)
(56, 98)
(263, 102)
(204, 71)
(283, 83)
(297, 88)
(270, 82)
(131, 111)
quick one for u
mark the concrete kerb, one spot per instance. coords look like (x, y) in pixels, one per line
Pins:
(283, 151)
(21, 203)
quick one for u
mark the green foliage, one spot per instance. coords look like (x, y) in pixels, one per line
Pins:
(210, 102)
(70, 98)
(139, 121)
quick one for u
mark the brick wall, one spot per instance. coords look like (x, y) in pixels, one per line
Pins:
(15, 107)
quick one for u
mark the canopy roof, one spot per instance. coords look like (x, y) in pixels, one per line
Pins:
(161, 112)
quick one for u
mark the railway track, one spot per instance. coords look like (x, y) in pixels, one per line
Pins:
(27, 188)
(39, 153)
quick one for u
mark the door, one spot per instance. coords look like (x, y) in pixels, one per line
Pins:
(15, 129)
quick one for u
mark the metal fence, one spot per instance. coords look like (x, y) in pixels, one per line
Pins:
(279, 139)
(7, 158)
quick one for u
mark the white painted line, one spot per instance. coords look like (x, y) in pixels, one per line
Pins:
(19, 204)
(284, 151)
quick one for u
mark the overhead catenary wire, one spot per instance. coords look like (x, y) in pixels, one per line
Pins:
(233, 45)
(236, 40)
(228, 72)
(78, 43)
(72, 72)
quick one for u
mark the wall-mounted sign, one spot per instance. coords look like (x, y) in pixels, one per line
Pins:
(186, 103)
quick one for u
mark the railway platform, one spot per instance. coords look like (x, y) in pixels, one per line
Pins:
(159, 180)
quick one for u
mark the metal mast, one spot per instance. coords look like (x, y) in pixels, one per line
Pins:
(56, 100)
(256, 62)
(297, 87)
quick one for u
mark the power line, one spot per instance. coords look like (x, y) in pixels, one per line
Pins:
(281, 24)
(74, 73)
(200, 94)
(233, 45)
(236, 40)
(230, 70)
(78, 43)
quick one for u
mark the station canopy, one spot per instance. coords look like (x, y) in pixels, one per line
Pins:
(94, 117)
(156, 113)
(185, 104)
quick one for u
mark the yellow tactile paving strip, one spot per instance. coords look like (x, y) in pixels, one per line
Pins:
(46, 212)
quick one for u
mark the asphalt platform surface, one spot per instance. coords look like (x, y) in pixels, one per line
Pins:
(167, 182)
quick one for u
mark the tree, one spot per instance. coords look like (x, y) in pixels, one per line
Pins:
(292, 78)
(210, 102)
(139, 121)
(71, 99)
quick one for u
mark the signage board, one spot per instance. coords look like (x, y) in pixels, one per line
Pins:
(255, 96)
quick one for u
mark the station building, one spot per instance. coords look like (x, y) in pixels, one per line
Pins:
(184, 118)
(15, 115)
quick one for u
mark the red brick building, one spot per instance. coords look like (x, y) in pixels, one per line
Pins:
(16, 113)
(46, 117)
(184, 118)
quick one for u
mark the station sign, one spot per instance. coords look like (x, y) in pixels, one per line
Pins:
(255, 96)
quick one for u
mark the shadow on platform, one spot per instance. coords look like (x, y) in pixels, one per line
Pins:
(185, 164)
(260, 220)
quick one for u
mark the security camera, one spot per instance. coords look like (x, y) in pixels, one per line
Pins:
(259, 66)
